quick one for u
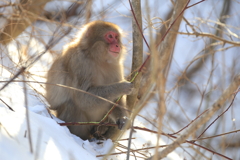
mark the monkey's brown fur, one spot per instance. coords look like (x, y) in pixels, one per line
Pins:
(88, 64)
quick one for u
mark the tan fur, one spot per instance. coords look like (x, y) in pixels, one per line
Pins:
(86, 64)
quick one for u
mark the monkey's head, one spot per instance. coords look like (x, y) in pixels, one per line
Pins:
(102, 40)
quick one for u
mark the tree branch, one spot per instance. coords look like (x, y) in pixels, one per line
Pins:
(16, 25)
(202, 120)
(137, 58)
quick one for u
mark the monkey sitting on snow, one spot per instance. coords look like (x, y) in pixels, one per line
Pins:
(93, 63)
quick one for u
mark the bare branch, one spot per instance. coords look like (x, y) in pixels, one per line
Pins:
(211, 36)
(202, 120)
(137, 58)
(16, 25)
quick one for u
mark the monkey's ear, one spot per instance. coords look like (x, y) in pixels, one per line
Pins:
(88, 32)
(85, 31)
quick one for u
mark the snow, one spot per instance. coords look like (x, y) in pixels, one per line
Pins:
(49, 140)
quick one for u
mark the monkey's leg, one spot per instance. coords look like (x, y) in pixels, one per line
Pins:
(112, 133)
(98, 132)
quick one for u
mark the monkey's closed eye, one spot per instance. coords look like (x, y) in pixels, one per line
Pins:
(110, 36)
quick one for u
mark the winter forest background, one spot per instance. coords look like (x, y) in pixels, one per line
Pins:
(187, 104)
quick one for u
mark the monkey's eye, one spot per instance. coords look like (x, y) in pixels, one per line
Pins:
(110, 36)
(116, 37)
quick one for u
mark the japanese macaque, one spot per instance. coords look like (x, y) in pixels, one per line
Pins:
(92, 63)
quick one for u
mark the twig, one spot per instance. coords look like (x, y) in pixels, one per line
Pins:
(151, 131)
(198, 139)
(219, 115)
(189, 123)
(7, 105)
(195, 4)
(130, 141)
(10, 4)
(60, 85)
(51, 43)
(169, 135)
(203, 119)
(86, 123)
(171, 25)
(15, 26)
(124, 147)
(134, 150)
(126, 139)
(27, 115)
(186, 141)
(110, 111)
(211, 36)
(14, 77)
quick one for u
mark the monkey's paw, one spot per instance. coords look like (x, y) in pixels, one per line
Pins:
(121, 122)
(127, 88)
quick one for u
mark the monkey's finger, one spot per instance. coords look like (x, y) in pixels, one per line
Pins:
(121, 122)
(133, 91)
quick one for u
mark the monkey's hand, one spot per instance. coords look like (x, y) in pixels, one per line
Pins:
(121, 122)
(127, 88)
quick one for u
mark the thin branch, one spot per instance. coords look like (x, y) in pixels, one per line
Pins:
(64, 86)
(10, 4)
(27, 115)
(168, 135)
(195, 4)
(16, 26)
(189, 123)
(14, 77)
(206, 51)
(223, 134)
(174, 21)
(219, 115)
(52, 42)
(134, 150)
(211, 36)
(203, 119)
(186, 141)
(7, 105)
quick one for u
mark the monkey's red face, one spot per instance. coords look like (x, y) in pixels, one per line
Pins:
(112, 39)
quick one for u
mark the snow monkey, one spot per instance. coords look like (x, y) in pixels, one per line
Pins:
(93, 63)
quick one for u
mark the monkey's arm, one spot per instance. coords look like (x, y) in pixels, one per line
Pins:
(110, 92)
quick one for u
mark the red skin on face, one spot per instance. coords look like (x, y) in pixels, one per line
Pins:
(114, 47)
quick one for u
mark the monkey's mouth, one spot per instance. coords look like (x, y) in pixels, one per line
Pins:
(114, 54)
